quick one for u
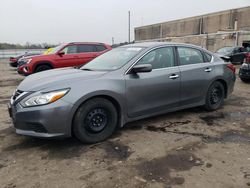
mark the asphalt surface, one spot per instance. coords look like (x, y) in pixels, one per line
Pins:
(189, 148)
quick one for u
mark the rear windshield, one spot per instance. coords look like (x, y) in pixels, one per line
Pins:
(225, 50)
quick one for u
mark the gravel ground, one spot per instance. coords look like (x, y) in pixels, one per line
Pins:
(189, 148)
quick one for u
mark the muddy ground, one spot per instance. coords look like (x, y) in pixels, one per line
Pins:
(189, 148)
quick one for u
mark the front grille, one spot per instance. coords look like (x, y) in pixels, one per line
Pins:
(30, 126)
(21, 62)
(37, 127)
(16, 94)
(245, 71)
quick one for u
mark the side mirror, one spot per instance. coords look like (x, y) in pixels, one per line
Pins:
(142, 68)
(61, 53)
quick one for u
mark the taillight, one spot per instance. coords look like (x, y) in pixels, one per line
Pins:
(12, 59)
(231, 67)
(247, 58)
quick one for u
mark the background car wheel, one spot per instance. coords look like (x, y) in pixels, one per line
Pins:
(215, 96)
(245, 80)
(41, 68)
(95, 120)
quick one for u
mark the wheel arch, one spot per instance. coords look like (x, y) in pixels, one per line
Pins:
(223, 82)
(39, 63)
(110, 98)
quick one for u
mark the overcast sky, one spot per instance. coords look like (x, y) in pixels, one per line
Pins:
(56, 21)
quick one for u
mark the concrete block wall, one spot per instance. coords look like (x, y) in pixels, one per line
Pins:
(205, 24)
(212, 42)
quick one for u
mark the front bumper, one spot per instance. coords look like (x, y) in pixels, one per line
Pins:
(244, 73)
(23, 70)
(40, 135)
(52, 120)
(13, 64)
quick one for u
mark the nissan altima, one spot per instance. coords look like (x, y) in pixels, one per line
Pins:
(125, 84)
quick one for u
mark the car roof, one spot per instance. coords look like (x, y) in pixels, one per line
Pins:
(86, 43)
(155, 44)
(230, 47)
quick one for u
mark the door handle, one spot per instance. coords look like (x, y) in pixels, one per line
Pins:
(208, 69)
(173, 76)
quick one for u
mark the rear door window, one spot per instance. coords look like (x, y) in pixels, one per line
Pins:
(188, 56)
(100, 48)
(83, 48)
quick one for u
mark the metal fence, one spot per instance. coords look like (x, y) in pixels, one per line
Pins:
(15, 52)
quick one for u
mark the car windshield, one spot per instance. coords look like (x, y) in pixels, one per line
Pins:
(113, 59)
(225, 50)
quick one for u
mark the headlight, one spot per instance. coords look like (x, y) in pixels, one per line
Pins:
(45, 98)
(244, 65)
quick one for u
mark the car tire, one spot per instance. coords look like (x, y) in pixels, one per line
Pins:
(95, 121)
(41, 68)
(215, 96)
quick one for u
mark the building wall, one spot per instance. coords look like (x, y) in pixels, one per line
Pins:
(230, 20)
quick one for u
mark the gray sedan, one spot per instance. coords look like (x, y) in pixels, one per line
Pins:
(125, 84)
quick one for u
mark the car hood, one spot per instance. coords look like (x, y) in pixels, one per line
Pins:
(53, 78)
(39, 56)
(223, 53)
(224, 57)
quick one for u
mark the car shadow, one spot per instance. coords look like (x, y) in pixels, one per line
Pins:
(70, 147)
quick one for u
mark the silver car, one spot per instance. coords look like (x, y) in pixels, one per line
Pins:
(125, 84)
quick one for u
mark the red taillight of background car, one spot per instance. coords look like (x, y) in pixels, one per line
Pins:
(12, 59)
(247, 58)
(231, 67)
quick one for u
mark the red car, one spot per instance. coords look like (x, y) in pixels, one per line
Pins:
(14, 60)
(66, 55)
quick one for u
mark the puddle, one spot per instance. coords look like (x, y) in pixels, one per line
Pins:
(235, 137)
(213, 119)
(115, 150)
(170, 124)
(156, 129)
(166, 125)
(234, 100)
(229, 136)
(209, 165)
(238, 116)
(159, 169)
